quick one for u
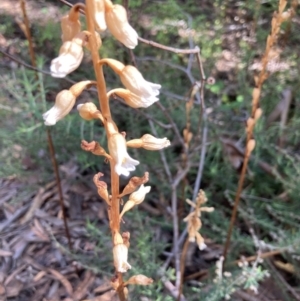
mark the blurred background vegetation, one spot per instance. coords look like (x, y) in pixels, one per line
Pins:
(231, 36)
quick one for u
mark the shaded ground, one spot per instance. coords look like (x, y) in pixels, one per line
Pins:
(35, 261)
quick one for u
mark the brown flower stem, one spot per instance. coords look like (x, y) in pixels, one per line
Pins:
(101, 85)
(182, 267)
(236, 204)
(263, 75)
(105, 109)
(28, 33)
(58, 184)
(49, 137)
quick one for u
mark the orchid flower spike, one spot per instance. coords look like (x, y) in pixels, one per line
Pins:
(117, 23)
(124, 164)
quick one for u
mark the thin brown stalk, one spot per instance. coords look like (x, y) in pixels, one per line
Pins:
(182, 267)
(49, 137)
(28, 33)
(58, 184)
(255, 113)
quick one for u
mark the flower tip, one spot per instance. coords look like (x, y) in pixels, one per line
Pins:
(146, 188)
(202, 246)
(121, 171)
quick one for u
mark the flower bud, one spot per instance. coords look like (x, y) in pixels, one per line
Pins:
(87, 110)
(69, 58)
(117, 23)
(138, 196)
(99, 16)
(149, 142)
(139, 280)
(64, 102)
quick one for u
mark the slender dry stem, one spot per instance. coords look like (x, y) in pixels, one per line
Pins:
(49, 137)
(255, 113)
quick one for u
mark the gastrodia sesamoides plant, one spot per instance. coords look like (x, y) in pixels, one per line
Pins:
(136, 93)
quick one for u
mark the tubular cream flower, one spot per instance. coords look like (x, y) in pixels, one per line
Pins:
(138, 196)
(99, 14)
(133, 80)
(69, 58)
(64, 103)
(120, 253)
(135, 198)
(117, 23)
(117, 149)
(133, 100)
(149, 142)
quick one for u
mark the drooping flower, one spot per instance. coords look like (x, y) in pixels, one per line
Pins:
(133, 80)
(135, 198)
(124, 164)
(117, 23)
(133, 100)
(99, 14)
(149, 142)
(64, 103)
(120, 254)
(69, 58)
(70, 25)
